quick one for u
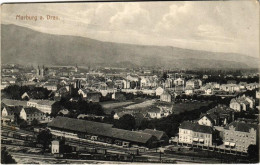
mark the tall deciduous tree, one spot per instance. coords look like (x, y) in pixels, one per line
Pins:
(44, 138)
(126, 122)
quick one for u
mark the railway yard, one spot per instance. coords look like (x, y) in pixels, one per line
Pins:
(23, 144)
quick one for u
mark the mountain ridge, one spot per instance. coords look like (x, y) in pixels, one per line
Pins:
(43, 48)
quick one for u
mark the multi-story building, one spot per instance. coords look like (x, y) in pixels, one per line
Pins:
(230, 87)
(217, 116)
(166, 96)
(31, 113)
(50, 86)
(9, 114)
(242, 103)
(239, 135)
(195, 84)
(194, 133)
(179, 82)
(43, 105)
(149, 81)
(189, 90)
(158, 112)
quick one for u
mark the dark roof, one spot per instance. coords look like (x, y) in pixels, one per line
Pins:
(158, 134)
(100, 129)
(242, 126)
(166, 92)
(32, 94)
(13, 109)
(32, 110)
(220, 109)
(196, 127)
(211, 117)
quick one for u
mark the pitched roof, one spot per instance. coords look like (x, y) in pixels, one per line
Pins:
(158, 134)
(242, 126)
(196, 127)
(32, 110)
(211, 117)
(31, 94)
(220, 109)
(165, 92)
(152, 109)
(100, 129)
(10, 102)
(14, 109)
(42, 102)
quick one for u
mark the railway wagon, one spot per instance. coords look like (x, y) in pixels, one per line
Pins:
(16, 136)
(98, 157)
(133, 152)
(90, 150)
(10, 134)
(72, 155)
(23, 137)
(101, 151)
(4, 133)
(6, 141)
(84, 156)
(29, 144)
(30, 138)
(112, 157)
(39, 145)
(20, 143)
(126, 157)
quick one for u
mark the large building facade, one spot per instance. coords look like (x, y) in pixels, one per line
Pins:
(239, 135)
(194, 133)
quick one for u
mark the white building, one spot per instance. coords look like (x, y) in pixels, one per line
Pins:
(43, 105)
(55, 147)
(193, 133)
(159, 91)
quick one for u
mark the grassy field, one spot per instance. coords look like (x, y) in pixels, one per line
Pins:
(144, 104)
(113, 104)
(188, 106)
(141, 105)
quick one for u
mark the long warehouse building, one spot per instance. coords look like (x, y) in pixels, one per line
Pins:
(76, 128)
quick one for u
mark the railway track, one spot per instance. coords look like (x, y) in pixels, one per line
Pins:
(119, 150)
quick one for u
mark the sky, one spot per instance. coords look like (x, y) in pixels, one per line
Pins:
(219, 26)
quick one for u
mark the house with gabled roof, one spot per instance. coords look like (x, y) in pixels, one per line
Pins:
(242, 103)
(166, 96)
(31, 113)
(160, 135)
(207, 120)
(9, 113)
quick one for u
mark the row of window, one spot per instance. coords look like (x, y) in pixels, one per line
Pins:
(35, 115)
(30, 119)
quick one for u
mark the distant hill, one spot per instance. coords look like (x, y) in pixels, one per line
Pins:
(25, 46)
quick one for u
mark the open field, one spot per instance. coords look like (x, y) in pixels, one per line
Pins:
(112, 105)
(188, 106)
(141, 105)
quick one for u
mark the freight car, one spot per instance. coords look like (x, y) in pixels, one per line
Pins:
(6, 141)
(133, 152)
(101, 151)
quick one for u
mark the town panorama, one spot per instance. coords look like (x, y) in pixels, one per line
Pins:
(136, 89)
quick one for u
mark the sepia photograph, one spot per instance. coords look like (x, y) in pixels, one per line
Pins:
(135, 82)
